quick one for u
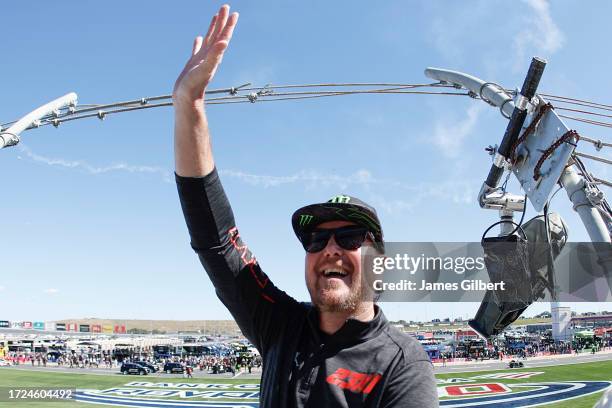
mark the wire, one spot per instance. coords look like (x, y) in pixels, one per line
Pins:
(597, 143)
(583, 111)
(596, 158)
(550, 258)
(263, 94)
(578, 104)
(520, 223)
(589, 121)
(554, 194)
(574, 100)
(602, 181)
(604, 207)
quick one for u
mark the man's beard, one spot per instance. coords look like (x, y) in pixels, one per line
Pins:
(327, 300)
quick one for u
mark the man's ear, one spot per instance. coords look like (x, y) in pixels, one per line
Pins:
(370, 255)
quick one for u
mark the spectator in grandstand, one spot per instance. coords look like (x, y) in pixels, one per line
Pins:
(340, 350)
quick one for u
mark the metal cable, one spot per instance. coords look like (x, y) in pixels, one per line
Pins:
(552, 99)
(270, 97)
(234, 90)
(576, 100)
(589, 121)
(583, 111)
(602, 181)
(603, 206)
(596, 158)
(596, 142)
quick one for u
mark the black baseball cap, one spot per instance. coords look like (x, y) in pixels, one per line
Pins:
(339, 208)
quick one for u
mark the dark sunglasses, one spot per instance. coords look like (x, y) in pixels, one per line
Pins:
(350, 238)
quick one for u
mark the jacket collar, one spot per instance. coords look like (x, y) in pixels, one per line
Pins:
(353, 331)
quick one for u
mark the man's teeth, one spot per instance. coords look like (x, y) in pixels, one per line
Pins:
(334, 272)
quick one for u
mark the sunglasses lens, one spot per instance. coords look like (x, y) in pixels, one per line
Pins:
(315, 241)
(351, 239)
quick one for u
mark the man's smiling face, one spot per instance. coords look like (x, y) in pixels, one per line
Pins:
(334, 275)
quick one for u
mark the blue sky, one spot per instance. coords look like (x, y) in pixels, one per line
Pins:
(91, 225)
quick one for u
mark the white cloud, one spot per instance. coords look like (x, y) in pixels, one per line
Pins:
(454, 32)
(544, 35)
(457, 192)
(83, 165)
(449, 135)
(51, 291)
(309, 178)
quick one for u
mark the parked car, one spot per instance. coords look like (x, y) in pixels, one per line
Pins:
(152, 368)
(174, 368)
(133, 368)
(515, 364)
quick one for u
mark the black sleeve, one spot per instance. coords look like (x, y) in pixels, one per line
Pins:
(259, 308)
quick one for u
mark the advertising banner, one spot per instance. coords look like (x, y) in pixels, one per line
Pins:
(120, 329)
(50, 326)
(27, 325)
(107, 328)
(84, 328)
(39, 325)
(96, 328)
(60, 326)
(71, 327)
(5, 324)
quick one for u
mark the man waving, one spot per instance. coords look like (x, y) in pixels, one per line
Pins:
(337, 351)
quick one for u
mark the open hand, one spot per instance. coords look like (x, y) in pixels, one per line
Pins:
(206, 56)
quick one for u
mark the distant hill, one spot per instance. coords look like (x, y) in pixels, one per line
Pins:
(168, 326)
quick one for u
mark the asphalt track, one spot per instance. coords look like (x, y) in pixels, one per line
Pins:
(529, 363)
(450, 368)
(115, 371)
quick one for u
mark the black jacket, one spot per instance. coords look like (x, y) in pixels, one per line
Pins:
(364, 364)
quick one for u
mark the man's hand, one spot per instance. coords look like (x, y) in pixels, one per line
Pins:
(206, 56)
(192, 150)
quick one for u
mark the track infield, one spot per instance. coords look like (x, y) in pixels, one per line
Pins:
(572, 385)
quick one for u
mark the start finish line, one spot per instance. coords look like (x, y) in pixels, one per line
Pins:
(478, 391)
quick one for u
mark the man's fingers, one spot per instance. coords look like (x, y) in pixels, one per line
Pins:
(221, 21)
(228, 30)
(211, 28)
(197, 44)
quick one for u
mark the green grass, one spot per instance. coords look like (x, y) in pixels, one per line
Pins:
(49, 379)
(32, 379)
(571, 372)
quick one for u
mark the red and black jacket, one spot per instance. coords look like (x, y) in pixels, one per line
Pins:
(364, 364)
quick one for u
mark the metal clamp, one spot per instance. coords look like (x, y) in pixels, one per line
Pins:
(252, 97)
(521, 102)
(500, 161)
(501, 108)
(11, 139)
(593, 194)
(493, 84)
(495, 199)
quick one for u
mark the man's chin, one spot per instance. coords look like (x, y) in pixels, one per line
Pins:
(335, 301)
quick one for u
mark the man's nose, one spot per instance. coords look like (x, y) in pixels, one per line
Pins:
(332, 248)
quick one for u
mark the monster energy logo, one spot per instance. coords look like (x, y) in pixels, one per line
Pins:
(305, 219)
(342, 199)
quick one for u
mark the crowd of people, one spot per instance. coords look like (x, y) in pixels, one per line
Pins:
(106, 359)
(521, 349)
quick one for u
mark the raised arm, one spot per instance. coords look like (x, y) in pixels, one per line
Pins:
(192, 148)
(261, 310)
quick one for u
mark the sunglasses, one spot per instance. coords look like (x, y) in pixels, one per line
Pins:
(350, 238)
